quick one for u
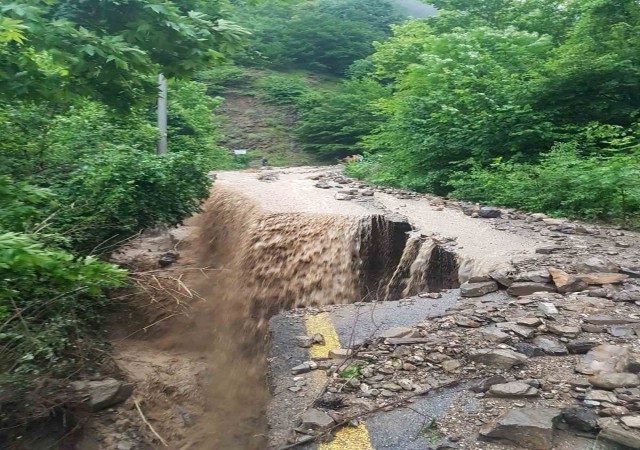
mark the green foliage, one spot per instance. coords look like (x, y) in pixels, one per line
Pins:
(509, 81)
(322, 36)
(282, 89)
(332, 121)
(47, 296)
(111, 50)
(221, 79)
(350, 372)
(563, 183)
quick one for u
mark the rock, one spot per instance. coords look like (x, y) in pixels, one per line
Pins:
(631, 421)
(604, 319)
(550, 345)
(501, 358)
(548, 309)
(451, 365)
(392, 387)
(168, 258)
(633, 272)
(601, 396)
(340, 196)
(528, 349)
(304, 341)
(580, 346)
(478, 289)
(589, 328)
(538, 217)
(318, 338)
(465, 322)
(520, 330)
(501, 277)
(367, 193)
(492, 333)
(398, 332)
(469, 209)
(563, 330)
(615, 380)
(621, 330)
(567, 283)
(305, 367)
(548, 249)
(104, 393)
(537, 276)
(602, 278)
(489, 212)
(323, 185)
(531, 428)
(604, 358)
(340, 353)
(513, 389)
(485, 384)
(314, 419)
(616, 433)
(582, 419)
(529, 321)
(595, 264)
(521, 288)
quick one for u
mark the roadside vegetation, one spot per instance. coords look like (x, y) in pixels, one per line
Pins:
(79, 174)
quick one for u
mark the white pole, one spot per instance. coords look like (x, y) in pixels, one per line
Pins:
(162, 114)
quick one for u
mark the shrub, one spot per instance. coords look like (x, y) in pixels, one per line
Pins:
(563, 183)
(282, 90)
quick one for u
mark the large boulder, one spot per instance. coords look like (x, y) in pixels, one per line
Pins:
(604, 358)
(566, 283)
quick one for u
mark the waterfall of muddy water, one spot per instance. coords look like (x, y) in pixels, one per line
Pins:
(265, 263)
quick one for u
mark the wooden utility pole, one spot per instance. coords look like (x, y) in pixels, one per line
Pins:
(162, 114)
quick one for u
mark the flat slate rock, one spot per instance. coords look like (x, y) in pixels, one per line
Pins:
(530, 428)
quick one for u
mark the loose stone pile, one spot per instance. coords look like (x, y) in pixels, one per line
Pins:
(533, 360)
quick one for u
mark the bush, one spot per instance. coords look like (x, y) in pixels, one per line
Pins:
(219, 80)
(49, 298)
(563, 183)
(282, 90)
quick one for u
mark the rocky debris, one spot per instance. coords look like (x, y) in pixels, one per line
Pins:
(502, 277)
(168, 258)
(513, 389)
(489, 212)
(470, 209)
(493, 333)
(564, 330)
(596, 264)
(315, 420)
(528, 349)
(102, 394)
(566, 283)
(367, 193)
(631, 421)
(549, 249)
(478, 289)
(604, 358)
(597, 395)
(309, 341)
(580, 346)
(582, 419)
(522, 288)
(614, 432)
(399, 332)
(615, 380)
(531, 428)
(486, 384)
(501, 358)
(340, 196)
(323, 185)
(305, 367)
(633, 272)
(548, 309)
(550, 345)
(602, 278)
(605, 319)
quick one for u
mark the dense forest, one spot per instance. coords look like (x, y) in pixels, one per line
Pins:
(532, 104)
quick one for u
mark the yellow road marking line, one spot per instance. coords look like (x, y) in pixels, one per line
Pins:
(347, 438)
